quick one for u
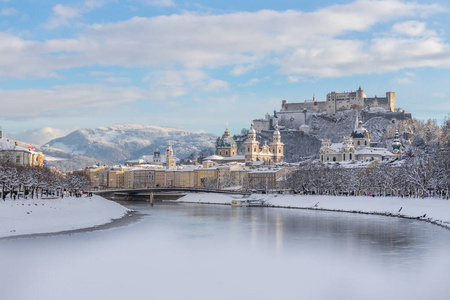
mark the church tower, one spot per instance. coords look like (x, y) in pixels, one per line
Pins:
(226, 145)
(251, 146)
(157, 157)
(360, 135)
(277, 147)
(396, 145)
(171, 160)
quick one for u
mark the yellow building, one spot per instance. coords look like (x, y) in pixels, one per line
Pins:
(184, 178)
(267, 178)
(202, 176)
(160, 178)
(20, 156)
(240, 177)
(272, 154)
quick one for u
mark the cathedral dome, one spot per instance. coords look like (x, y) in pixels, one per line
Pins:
(226, 142)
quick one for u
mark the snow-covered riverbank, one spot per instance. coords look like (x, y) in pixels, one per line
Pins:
(436, 211)
(34, 216)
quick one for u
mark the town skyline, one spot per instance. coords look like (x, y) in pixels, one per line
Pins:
(199, 65)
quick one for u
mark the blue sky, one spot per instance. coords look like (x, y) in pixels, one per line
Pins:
(202, 64)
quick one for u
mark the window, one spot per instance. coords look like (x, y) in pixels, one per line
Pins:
(365, 143)
(344, 156)
(226, 152)
(321, 157)
(334, 158)
(350, 156)
(254, 149)
(358, 143)
(279, 150)
(248, 149)
(17, 159)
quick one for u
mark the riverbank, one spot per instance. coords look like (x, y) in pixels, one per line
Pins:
(48, 216)
(433, 210)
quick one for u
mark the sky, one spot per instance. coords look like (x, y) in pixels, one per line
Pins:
(202, 64)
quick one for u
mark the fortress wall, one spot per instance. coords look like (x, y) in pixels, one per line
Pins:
(260, 125)
(390, 115)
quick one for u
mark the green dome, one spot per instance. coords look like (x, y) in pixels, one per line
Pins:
(226, 142)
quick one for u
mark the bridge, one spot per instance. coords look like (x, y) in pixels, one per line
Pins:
(159, 193)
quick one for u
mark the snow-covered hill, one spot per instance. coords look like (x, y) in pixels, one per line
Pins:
(39, 136)
(121, 142)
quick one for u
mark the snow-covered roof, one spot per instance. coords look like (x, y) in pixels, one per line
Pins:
(214, 157)
(374, 151)
(265, 170)
(6, 145)
(235, 157)
(257, 162)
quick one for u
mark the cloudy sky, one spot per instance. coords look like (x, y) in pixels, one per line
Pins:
(202, 64)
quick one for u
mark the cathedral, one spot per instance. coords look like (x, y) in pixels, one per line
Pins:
(357, 147)
(272, 154)
(226, 146)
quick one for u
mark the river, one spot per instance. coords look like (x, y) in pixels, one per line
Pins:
(194, 251)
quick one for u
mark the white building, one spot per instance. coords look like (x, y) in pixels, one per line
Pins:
(356, 147)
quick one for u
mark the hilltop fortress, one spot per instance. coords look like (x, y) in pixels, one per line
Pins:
(294, 116)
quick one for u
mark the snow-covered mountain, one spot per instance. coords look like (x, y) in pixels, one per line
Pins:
(39, 136)
(121, 142)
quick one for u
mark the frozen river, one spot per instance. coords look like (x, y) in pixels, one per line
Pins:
(192, 251)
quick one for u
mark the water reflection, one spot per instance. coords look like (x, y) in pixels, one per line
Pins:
(283, 230)
(192, 251)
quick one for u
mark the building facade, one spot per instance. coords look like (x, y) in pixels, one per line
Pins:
(273, 153)
(356, 147)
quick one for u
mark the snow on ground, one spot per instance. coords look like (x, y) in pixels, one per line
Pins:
(30, 216)
(432, 210)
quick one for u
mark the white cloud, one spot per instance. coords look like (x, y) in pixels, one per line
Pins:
(241, 69)
(8, 12)
(39, 102)
(412, 28)
(62, 15)
(41, 135)
(161, 3)
(300, 44)
(438, 95)
(172, 83)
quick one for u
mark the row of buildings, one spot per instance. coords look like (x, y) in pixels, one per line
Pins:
(258, 168)
(236, 176)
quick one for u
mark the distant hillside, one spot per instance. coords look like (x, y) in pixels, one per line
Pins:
(118, 143)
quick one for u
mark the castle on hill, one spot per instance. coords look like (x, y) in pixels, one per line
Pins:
(294, 115)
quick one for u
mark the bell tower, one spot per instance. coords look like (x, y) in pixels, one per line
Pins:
(277, 147)
(251, 145)
(171, 159)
